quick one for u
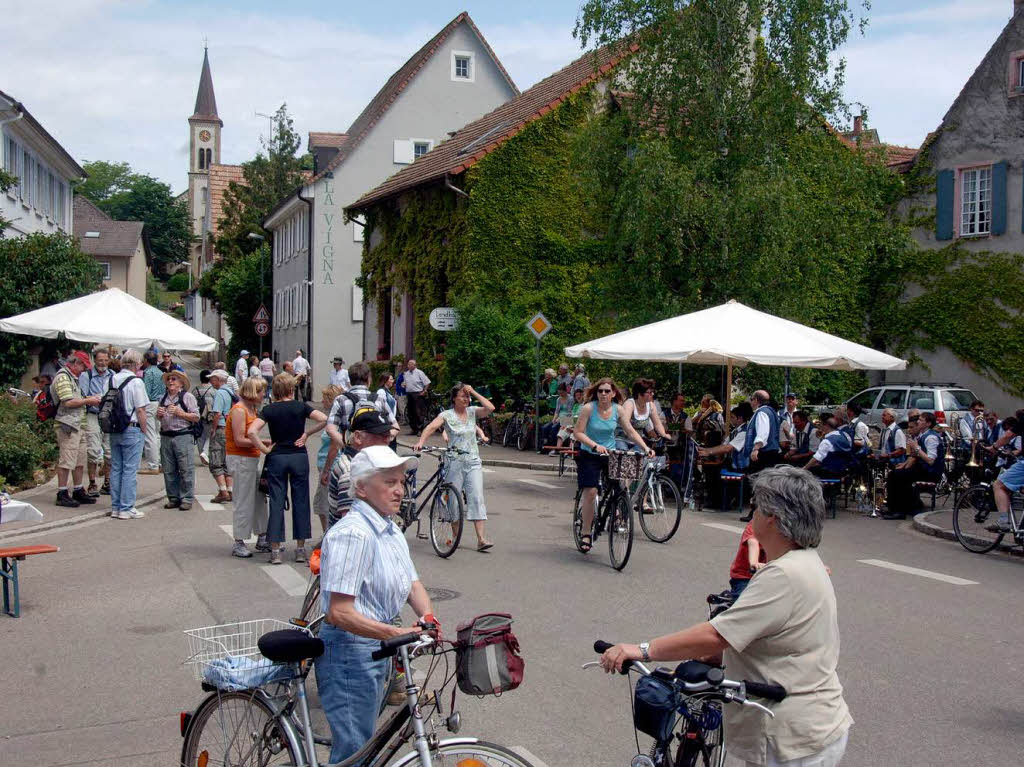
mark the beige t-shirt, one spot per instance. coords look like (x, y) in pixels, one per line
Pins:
(784, 630)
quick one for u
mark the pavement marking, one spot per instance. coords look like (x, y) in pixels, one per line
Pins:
(918, 571)
(206, 501)
(727, 528)
(231, 533)
(531, 758)
(287, 578)
(54, 531)
(485, 470)
(538, 483)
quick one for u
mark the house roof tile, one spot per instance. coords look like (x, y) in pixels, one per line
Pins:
(332, 140)
(220, 177)
(116, 238)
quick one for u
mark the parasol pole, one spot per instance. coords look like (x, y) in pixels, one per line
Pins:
(728, 387)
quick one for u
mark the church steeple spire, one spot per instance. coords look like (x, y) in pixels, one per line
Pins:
(206, 102)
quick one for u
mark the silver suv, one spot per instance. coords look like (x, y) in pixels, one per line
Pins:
(948, 401)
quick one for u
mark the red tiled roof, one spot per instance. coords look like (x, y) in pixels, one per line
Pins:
(332, 140)
(481, 137)
(116, 238)
(220, 177)
(393, 88)
(899, 158)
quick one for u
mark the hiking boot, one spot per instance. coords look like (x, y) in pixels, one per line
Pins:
(240, 550)
(230, 497)
(300, 554)
(185, 506)
(172, 504)
(93, 490)
(262, 544)
(64, 499)
(81, 496)
(275, 557)
(105, 490)
(221, 497)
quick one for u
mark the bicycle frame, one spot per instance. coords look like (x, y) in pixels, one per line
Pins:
(429, 488)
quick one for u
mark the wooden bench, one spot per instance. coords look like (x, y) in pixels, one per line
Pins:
(9, 558)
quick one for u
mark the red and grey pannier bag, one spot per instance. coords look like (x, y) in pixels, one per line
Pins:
(487, 655)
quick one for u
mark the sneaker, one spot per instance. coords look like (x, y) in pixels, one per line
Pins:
(300, 554)
(1001, 525)
(105, 490)
(230, 497)
(150, 470)
(240, 550)
(262, 544)
(397, 696)
(93, 490)
(172, 504)
(204, 458)
(185, 506)
(64, 499)
(275, 557)
(116, 514)
(82, 497)
(132, 513)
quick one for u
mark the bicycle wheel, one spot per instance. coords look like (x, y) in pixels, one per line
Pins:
(236, 729)
(524, 439)
(447, 517)
(703, 751)
(620, 530)
(660, 508)
(975, 510)
(479, 754)
(577, 521)
(508, 436)
(311, 603)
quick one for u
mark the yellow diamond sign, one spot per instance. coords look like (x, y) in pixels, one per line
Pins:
(539, 325)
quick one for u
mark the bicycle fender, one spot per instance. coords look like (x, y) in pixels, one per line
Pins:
(413, 756)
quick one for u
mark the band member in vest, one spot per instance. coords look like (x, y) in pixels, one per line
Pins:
(805, 440)
(892, 443)
(925, 463)
(835, 451)
(786, 423)
(1011, 480)
(739, 417)
(858, 429)
(965, 426)
(993, 428)
(761, 450)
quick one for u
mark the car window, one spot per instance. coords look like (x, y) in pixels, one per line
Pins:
(957, 399)
(922, 399)
(865, 400)
(894, 398)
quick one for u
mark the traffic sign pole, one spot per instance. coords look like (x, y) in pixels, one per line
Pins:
(540, 326)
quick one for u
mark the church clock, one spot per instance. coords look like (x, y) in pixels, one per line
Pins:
(204, 135)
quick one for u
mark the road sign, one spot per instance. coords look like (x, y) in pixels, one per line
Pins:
(262, 328)
(539, 325)
(262, 315)
(444, 318)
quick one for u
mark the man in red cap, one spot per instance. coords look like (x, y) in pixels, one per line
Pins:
(71, 427)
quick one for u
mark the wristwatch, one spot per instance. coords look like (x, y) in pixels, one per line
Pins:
(645, 651)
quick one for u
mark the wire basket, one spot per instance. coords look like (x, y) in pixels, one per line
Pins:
(211, 648)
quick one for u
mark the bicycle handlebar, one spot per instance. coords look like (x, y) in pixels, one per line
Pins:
(389, 647)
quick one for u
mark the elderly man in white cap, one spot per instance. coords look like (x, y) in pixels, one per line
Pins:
(242, 366)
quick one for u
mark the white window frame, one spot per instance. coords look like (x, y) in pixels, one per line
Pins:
(28, 181)
(295, 303)
(106, 269)
(976, 201)
(303, 303)
(416, 142)
(358, 228)
(470, 66)
(11, 151)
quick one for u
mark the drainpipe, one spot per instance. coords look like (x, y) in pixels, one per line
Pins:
(309, 279)
(449, 185)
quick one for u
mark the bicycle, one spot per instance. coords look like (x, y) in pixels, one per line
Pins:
(657, 500)
(447, 506)
(613, 512)
(519, 429)
(269, 723)
(975, 519)
(684, 705)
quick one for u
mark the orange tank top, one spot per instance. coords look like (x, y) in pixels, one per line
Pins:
(239, 410)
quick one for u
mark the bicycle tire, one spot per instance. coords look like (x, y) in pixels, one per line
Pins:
(216, 731)
(508, 436)
(620, 530)
(479, 753)
(976, 509)
(525, 436)
(446, 508)
(666, 510)
(705, 753)
(577, 521)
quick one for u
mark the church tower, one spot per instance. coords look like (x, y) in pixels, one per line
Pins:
(204, 128)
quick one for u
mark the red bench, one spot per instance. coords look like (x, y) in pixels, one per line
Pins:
(9, 558)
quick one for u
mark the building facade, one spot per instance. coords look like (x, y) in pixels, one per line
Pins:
(46, 173)
(318, 306)
(120, 247)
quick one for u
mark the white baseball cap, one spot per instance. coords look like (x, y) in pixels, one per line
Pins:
(219, 374)
(376, 458)
(243, 353)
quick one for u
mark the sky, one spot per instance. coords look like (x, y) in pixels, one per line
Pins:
(116, 80)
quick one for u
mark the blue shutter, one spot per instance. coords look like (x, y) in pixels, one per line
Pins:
(944, 193)
(999, 198)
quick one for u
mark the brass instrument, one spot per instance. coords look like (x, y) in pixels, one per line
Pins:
(977, 434)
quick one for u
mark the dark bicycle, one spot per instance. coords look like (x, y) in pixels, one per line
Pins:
(613, 511)
(681, 709)
(976, 519)
(447, 508)
(519, 429)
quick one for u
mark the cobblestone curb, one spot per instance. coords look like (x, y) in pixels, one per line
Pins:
(57, 524)
(922, 524)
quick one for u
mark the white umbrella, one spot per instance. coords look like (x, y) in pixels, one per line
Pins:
(733, 335)
(109, 316)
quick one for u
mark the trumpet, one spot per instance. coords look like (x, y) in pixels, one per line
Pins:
(977, 434)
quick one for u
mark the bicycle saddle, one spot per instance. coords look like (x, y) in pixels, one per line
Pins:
(290, 646)
(693, 671)
(723, 598)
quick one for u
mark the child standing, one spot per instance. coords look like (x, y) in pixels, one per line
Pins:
(748, 559)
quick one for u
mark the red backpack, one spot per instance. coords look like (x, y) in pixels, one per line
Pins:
(46, 408)
(487, 660)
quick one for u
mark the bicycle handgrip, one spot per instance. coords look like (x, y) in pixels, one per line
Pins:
(600, 647)
(388, 647)
(768, 691)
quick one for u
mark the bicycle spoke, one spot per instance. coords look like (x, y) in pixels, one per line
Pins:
(974, 514)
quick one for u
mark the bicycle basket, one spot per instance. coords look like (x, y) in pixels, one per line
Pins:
(654, 708)
(625, 466)
(227, 656)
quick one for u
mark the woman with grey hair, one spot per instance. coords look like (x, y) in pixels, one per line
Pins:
(783, 629)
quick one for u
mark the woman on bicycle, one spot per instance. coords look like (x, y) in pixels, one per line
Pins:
(366, 575)
(465, 470)
(595, 431)
(642, 413)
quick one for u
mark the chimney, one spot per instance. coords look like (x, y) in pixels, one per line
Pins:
(858, 121)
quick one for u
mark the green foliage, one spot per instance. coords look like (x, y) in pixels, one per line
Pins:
(39, 270)
(492, 347)
(178, 282)
(27, 442)
(128, 196)
(236, 286)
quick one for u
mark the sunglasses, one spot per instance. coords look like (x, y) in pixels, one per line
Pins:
(604, 391)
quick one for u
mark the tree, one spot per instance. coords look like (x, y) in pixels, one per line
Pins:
(39, 270)
(241, 284)
(128, 196)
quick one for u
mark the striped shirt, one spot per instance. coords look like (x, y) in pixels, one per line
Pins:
(339, 499)
(366, 556)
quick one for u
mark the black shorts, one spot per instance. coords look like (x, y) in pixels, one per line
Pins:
(588, 468)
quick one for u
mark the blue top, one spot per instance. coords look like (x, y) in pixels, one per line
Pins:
(91, 382)
(602, 430)
(153, 378)
(221, 404)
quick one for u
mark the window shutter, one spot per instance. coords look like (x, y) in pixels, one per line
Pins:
(944, 193)
(999, 198)
(403, 151)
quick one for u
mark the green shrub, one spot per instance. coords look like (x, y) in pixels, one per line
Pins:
(25, 442)
(178, 282)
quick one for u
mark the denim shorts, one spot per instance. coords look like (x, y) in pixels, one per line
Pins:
(1013, 478)
(588, 468)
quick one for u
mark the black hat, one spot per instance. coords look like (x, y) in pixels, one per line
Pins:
(792, 395)
(371, 420)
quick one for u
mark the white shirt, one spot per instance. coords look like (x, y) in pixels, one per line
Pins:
(860, 434)
(340, 378)
(299, 366)
(134, 393)
(931, 446)
(762, 428)
(901, 437)
(966, 426)
(415, 381)
(241, 369)
(739, 438)
(232, 384)
(267, 366)
(824, 448)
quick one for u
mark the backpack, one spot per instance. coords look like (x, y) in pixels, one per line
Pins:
(201, 401)
(356, 400)
(487, 660)
(46, 408)
(195, 429)
(113, 417)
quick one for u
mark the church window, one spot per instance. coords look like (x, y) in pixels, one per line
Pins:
(202, 158)
(209, 157)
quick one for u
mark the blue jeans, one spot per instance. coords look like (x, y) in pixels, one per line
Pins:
(284, 469)
(351, 687)
(738, 585)
(125, 456)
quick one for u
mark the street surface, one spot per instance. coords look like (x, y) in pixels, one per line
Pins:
(94, 676)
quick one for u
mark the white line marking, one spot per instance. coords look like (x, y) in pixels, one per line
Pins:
(287, 578)
(56, 530)
(727, 528)
(531, 758)
(231, 533)
(918, 571)
(485, 470)
(538, 483)
(206, 501)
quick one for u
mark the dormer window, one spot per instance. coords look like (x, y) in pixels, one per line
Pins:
(462, 66)
(420, 148)
(1015, 74)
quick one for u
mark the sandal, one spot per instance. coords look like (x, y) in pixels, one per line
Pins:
(586, 543)
(484, 545)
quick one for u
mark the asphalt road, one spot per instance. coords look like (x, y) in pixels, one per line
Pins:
(93, 669)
